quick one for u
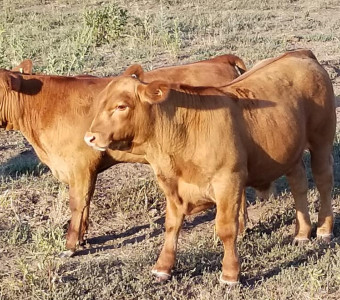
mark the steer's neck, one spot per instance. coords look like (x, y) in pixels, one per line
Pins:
(19, 113)
(184, 119)
(10, 111)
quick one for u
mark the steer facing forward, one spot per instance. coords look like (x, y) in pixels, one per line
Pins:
(54, 112)
(206, 145)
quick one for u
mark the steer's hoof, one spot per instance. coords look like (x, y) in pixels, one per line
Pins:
(300, 241)
(67, 254)
(161, 276)
(325, 238)
(228, 282)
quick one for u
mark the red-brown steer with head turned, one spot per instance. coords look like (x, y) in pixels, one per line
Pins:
(206, 145)
(53, 113)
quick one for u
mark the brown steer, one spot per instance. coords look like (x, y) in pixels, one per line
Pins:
(206, 145)
(53, 113)
(197, 73)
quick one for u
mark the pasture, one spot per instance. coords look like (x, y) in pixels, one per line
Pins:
(127, 212)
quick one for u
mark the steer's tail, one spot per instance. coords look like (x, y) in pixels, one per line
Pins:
(232, 60)
(301, 53)
(237, 63)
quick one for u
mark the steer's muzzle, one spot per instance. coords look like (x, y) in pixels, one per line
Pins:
(90, 138)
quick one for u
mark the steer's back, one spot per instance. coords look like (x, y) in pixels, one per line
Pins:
(212, 72)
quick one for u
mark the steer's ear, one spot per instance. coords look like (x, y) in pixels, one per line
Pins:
(26, 67)
(135, 70)
(154, 92)
(13, 82)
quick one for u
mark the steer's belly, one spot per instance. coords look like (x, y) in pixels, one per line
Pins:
(195, 197)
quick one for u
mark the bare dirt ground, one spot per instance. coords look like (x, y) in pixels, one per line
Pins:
(127, 211)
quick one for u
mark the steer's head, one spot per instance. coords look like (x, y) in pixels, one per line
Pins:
(124, 112)
(9, 82)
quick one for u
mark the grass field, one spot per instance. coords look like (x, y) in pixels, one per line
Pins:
(127, 212)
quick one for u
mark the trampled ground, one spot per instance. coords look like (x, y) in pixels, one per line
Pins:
(127, 212)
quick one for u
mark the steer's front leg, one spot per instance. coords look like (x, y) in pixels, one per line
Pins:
(173, 223)
(81, 191)
(229, 193)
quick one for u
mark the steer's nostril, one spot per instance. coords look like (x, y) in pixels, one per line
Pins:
(89, 139)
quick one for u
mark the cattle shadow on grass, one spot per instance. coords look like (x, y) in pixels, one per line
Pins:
(208, 216)
(209, 261)
(212, 260)
(316, 253)
(24, 163)
(132, 240)
(212, 263)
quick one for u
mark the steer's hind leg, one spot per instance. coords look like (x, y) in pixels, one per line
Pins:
(243, 215)
(297, 180)
(322, 167)
(81, 191)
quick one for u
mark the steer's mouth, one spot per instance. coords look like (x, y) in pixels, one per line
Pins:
(99, 148)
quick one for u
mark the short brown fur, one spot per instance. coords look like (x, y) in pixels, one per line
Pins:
(53, 113)
(206, 145)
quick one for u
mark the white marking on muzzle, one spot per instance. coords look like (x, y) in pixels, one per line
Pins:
(88, 140)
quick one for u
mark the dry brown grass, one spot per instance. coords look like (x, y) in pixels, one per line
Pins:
(127, 213)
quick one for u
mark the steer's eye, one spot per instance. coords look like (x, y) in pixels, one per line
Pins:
(121, 107)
